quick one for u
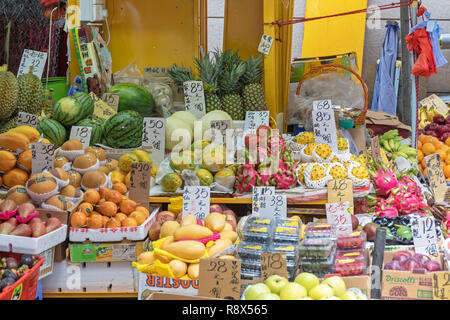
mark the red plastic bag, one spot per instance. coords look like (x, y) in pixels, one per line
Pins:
(420, 42)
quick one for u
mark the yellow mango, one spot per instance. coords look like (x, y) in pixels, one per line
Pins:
(189, 249)
(192, 231)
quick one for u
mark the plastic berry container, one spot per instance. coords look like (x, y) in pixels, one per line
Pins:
(250, 264)
(260, 234)
(316, 248)
(257, 221)
(349, 267)
(251, 251)
(286, 234)
(319, 230)
(289, 249)
(351, 254)
(320, 267)
(318, 226)
(352, 240)
(250, 273)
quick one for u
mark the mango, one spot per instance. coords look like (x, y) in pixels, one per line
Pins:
(219, 246)
(168, 228)
(194, 270)
(147, 257)
(188, 219)
(192, 231)
(231, 235)
(189, 249)
(179, 268)
(215, 221)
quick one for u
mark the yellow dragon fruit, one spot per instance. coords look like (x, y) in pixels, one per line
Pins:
(309, 148)
(337, 171)
(305, 138)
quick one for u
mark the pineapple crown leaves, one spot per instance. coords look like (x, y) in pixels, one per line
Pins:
(208, 72)
(179, 76)
(254, 70)
(231, 71)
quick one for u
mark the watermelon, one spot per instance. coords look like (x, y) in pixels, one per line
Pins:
(124, 130)
(70, 110)
(53, 131)
(133, 97)
(97, 129)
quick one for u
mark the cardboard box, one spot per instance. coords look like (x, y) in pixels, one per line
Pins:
(171, 296)
(149, 283)
(107, 251)
(406, 285)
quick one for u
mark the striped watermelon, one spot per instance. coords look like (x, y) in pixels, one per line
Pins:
(124, 130)
(69, 110)
(133, 97)
(53, 131)
(97, 129)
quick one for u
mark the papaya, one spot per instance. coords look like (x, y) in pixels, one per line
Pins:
(169, 228)
(32, 133)
(7, 160)
(24, 159)
(219, 246)
(166, 242)
(192, 231)
(15, 177)
(14, 141)
(215, 221)
(190, 249)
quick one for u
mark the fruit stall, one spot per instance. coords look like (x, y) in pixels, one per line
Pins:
(234, 173)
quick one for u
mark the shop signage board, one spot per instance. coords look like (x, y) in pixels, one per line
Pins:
(196, 201)
(42, 155)
(32, 58)
(220, 278)
(154, 138)
(324, 123)
(27, 119)
(83, 134)
(194, 98)
(436, 176)
(258, 192)
(273, 263)
(339, 217)
(139, 190)
(272, 206)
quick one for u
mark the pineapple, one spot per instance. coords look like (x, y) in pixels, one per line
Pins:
(208, 73)
(305, 138)
(360, 172)
(179, 76)
(253, 92)
(317, 172)
(230, 85)
(309, 148)
(338, 172)
(323, 151)
(300, 172)
(362, 159)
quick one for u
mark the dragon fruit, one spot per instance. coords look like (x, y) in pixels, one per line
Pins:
(264, 175)
(246, 177)
(384, 181)
(389, 211)
(410, 184)
(285, 176)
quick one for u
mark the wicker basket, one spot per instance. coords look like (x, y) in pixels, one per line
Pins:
(334, 68)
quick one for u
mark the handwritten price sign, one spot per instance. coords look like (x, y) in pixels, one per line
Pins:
(140, 182)
(194, 98)
(41, 157)
(436, 176)
(32, 58)
(324, 123)
(376, 149)
(219, 130)
(81, 133)
(339, 217)
(340, 190)
(196, 201)
(265, 44)
(27, 119)
(255, 119)
(424, 236)
(220, 278)
(257, 193)
(154, 138)
(272, 206)
(273, 263)
(112, 99)
(441, 285)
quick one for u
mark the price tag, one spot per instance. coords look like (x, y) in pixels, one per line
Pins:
(41, 157)
(424, 236)
(435, 101)
(32, 58)
(196, 201)
(272, 206)
(194, 98)
(273, 263)
(81, 133)
(441, 285)
(154, 138)
(101, 108)
(219, 130)
(324, 123)
(139, 190)
(258, 192)
(340, 190)
(112, 99)
(27, 119)
(220, 278)
(265, 44)
(339, 217)
(255, 119)
(376, 149)
(436, 176)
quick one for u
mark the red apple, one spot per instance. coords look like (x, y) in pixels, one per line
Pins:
(164, 216)
(215, 208)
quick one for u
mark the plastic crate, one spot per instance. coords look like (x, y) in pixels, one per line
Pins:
(25, 288)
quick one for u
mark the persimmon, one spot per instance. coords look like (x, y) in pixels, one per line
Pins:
(127, 206)
(92, 196)
(114, 196)
(108, 209)
(129, 222)
(121, 187)
(78, 219)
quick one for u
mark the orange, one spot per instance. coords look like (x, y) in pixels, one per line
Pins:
(92, 196)
(422, 138)
(86, 208)
(419, 145)
(425, 171)
(427, 139)
(437, 144)
(419, 155)
(443, 154)
(121, 187)
(446, 171)
(428, 148)
(424, 165)
(420, 167)
(108, 208)
(445, 148)
(447, 142)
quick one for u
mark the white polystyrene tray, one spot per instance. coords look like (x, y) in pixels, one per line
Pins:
(18, 244)
(114, 234)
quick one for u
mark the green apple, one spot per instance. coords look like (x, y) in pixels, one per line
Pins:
(276, 283)
(305, 298)
(337, 284)
(321, 291)
(268, 296)
(307, 280)
(348, 295)
(256, 290)
(293, 291)
(331, 298)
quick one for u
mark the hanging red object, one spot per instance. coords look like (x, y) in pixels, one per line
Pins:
(419, 41)
(48, 6)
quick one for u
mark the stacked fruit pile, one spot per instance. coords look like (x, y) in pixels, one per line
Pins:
(319, 164)
(435, 124)
(428, 145)
(305, 287)
(409, 261)
(108, 208)
(230, 84)
(182, 243)
(392, 148)
(12, 270)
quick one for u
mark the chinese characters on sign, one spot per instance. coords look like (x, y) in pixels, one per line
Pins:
(376, 150)
(441, 285)
(339, 217)
(324, 123)
(154, 138)
(41, 157)
(255, 119)
(219, 130)
(112, 99)
(27, 119)
(194, 98)
(272, 206)
(265, 44)
(258, 192)
(436, 176)
(31, 58)
(424, 236)
(140, 182)
(340, 190)
(273, 263)
(196, 201)
(220, 278)
(101, 108)
(81, 133)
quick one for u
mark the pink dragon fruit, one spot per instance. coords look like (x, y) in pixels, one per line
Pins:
(246, 177)
(390, 212)
(384, 181)
(284, 177)
(410, 185)
(264, 175)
